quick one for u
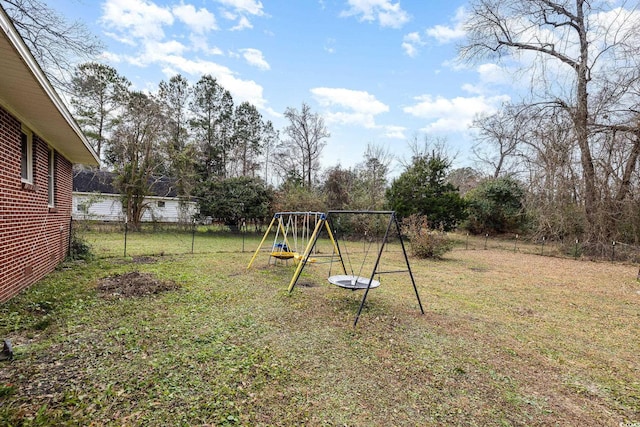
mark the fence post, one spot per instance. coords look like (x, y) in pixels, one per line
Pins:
(542, 250)
(575, 252)
(126, 229)
(515, 245)
(193, 234)
(244, 230)
(486, 238)
(613, 251)
(466, 246)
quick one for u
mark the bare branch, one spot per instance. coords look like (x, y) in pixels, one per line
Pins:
(56, 43)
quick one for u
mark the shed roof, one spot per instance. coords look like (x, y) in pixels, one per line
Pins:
(26, 93)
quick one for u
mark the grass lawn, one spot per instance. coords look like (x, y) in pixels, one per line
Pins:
(506, 339)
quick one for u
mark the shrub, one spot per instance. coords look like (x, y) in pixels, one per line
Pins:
(79, 248)
(423, 241)
(496, 206)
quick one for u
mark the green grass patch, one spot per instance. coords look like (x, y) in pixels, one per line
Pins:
(507, 339)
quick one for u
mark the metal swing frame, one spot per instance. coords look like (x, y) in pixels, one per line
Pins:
(278, 221)
(350, 281)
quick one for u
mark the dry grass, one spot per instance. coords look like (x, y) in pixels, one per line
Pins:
(507, 339)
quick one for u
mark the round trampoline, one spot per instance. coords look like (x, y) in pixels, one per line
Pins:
(352, 282)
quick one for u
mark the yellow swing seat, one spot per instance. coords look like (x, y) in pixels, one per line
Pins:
(299, 257)
(283, 255)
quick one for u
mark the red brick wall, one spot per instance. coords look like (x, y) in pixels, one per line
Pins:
(33, 237)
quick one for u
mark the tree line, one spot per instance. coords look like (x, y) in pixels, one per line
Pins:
(574, 139)
(195, 134)
(561, 162)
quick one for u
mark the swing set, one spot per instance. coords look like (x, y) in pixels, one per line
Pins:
(292, 230)
(347, 280)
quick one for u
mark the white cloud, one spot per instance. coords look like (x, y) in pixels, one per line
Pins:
(387, 14)
(410, 44)
(255, 58)
(355, 100)
(346, 106)
(250, 7)
(142, 24)
(201, 43)
(241, 90)
(455, 114)
(120, 38)
(446, 34)
(395, 132)
(110, 57)
(239, 10)
(199, 21)
(490, 76)
(155, 51)
(243, 24)
(329, 45)
(355, 107)
(138, 18)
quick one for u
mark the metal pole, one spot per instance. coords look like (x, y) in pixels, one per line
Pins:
(126, 229)
(375, 267)
(406, 259)
(266, 233)
(305, 257)
(193, 234)
(336, 244)
(613, 251)
(244, 230)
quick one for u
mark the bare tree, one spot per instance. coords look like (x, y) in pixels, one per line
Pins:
(499, 137)
(578, 52)
(427, 146)
(465, 179)
(55, 43)
(306, 133)
(373, 175)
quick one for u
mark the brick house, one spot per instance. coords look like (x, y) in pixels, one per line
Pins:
(39, 143)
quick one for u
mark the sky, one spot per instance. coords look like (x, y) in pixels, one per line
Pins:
(380, 72)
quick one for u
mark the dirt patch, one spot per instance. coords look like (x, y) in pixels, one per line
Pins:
(307, 284)
(144, 260)
(134, 284)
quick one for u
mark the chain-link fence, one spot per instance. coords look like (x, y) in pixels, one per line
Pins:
(116, 239)
(566, 248)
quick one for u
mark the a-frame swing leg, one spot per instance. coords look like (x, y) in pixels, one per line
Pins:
(312, 243)
(393, 219)
(406, 259)
(305, 257)
(373, 273)
(261, 242)
(336, 244)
